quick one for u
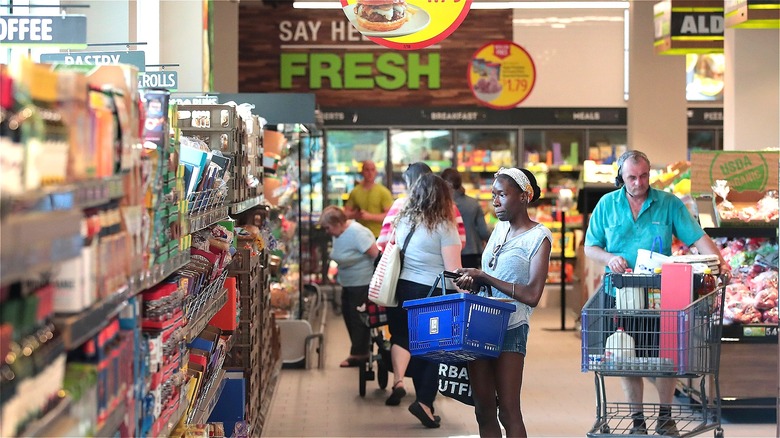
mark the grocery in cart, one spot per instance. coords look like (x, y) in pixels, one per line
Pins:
(630, 328)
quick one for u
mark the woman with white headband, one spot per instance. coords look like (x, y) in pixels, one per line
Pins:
(514, 268)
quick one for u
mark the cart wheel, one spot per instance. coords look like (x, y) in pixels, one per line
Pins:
(719, 432)
(363, 374)
(604, 429)
(382, 373)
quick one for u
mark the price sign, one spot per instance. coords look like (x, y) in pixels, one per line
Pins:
(501, 74)
(406, 25)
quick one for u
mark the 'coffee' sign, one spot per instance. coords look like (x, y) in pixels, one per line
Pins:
(688, 26)
(136, 58)
(67, 32)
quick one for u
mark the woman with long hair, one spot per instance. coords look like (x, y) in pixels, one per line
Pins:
(514, 267)
(434, 246)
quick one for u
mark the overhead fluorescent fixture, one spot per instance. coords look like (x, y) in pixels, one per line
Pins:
(317, 5)
(550, 5)
(497, 5)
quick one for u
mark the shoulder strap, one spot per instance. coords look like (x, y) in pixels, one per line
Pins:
(408, 238)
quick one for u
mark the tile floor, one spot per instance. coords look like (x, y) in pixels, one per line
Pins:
(558, 399)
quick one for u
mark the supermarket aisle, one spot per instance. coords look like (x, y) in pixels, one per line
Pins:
(558, 399)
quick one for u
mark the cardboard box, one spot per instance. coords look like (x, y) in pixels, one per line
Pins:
(741, 201)
(746, 171)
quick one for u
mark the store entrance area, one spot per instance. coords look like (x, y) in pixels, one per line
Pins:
(558, 399)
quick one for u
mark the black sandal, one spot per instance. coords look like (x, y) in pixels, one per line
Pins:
(395, 397)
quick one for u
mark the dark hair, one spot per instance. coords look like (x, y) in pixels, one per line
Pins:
(635, 156)
(414, 172)
(429, 204)
(452, 176)
(531, 178)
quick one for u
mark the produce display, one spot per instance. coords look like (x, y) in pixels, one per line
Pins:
(751, 295)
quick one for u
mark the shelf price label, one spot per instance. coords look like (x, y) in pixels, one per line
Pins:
(501, 74)
(409, 25)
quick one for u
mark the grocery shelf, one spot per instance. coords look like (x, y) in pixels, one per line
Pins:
(77, 195)
(747, 231)
(479, 168)
(239, 207)
(209, 401)
(24, 253)
(174, 420)
(196, 326)
(77, 329)
(750, 333)
(114, 420)
(208, 218)
(44, 425)
(162, 270)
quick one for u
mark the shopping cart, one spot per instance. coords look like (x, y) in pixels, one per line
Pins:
(378, 350)
(667, 343)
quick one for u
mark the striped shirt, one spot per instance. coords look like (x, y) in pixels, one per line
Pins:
(387, 224)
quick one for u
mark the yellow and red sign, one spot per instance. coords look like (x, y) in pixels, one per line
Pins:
(406, 24)
(501, 74)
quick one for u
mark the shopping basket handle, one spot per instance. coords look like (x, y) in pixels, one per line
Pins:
(442, 278)
(439, 279)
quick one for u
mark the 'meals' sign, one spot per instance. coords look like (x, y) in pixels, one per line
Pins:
(68, 32)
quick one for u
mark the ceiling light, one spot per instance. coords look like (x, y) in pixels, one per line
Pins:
(497, 5)
(550, 5)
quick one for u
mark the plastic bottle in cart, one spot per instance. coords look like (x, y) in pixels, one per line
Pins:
(619, 348)
(708, 283)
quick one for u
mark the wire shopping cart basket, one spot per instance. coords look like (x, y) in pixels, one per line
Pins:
(643, 340)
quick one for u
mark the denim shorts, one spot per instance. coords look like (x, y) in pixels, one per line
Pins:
(515, 340)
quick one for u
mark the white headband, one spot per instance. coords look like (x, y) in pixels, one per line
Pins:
(518, 176)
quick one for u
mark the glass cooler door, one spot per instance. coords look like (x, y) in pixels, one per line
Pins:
(479, 154)
(432, 146)
(345, 150)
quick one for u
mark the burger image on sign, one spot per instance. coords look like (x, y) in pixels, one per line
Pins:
(381, 15)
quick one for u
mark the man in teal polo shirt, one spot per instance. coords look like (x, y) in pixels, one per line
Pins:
(629, 219)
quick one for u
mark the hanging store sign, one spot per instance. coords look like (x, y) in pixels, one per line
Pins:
(67, 32)
(294, 51)
(688, 26)
(705, 116)
(159, 79)
(406, 25)
(471, 116)
(752, 14)
(136, 58)
(501, 74)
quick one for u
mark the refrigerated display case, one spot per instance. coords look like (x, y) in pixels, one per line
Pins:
(750, 316)
(345, 150)
(314, 240)
(431, 146)
(479, 155)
